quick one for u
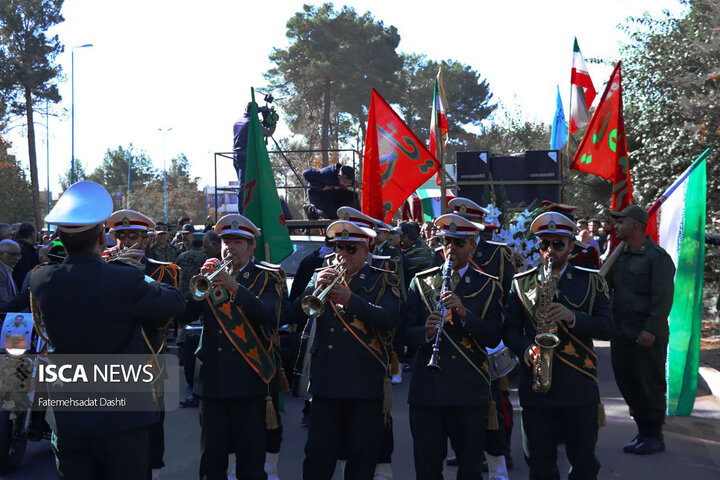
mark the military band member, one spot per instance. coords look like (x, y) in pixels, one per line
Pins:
(236, 371)
(130, 230)
(493, 258)
(350, 358)
(566, 403)
(453, 401)
(89, 306)
(582, 254)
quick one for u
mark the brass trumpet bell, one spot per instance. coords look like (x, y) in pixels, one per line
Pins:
(314, 305)
(200, 285)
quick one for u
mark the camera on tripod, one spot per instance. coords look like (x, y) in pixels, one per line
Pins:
(270, 117)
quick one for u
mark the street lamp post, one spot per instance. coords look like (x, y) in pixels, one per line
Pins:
(163, 131)
(72, 109)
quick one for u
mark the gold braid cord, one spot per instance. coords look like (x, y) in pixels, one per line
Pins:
(37, 315)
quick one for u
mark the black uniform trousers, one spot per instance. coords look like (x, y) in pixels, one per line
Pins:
(640, 376)
(432, 426)
(543, 427)
(355, 425)
(232, 425)
(112, 456)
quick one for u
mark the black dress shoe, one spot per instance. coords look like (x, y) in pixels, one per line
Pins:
(451, 462)
(630, 447)
(650, 444)
(508, 461)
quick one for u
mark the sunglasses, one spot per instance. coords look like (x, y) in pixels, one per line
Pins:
(459, 242)
(128, 235)
(350, 249)
(558, 245)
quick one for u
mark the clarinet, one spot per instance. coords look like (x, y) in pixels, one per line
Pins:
(435, 357)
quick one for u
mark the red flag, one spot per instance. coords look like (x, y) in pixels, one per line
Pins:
(603, 150)
(395, 163)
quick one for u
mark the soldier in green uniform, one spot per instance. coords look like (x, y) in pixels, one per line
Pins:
(110, 306)
(160, 249)
(561, 400)
(236, 370)
(190, 262)
(417, 256)
(452, 401)
(350, 355)
(642, 283)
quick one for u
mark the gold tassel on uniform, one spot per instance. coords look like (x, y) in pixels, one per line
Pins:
(271, 421)
(492, 423)
(394, 364)
(602, 418)
(284, 384)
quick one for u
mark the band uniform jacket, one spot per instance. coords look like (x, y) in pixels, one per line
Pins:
(493, 258)
(341, 367)
(221, 372)
(585, 293)
(458, 383)
(92, 307)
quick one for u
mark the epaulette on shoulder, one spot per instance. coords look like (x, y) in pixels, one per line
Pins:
(382, 270)
(438, 249)
(499, 244)
(429, 271)
(588, 270)
(526, 272)
(381, 257)
(485, 274)
(268, 266)
(158, 262)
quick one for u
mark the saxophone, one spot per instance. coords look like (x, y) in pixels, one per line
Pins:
(546, 337)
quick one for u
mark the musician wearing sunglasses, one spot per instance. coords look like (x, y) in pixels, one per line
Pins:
(350, 356)
(237, 366)
(450, 394)
(130, 230)
(558, 386)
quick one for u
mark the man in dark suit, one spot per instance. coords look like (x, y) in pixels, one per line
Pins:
(452, 401)
(91, 307)
(564, 404)
(236, 368)
(26, 236)
(349, 374)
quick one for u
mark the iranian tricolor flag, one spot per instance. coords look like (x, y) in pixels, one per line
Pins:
(677, 223)
(439, 123)
(583, 91)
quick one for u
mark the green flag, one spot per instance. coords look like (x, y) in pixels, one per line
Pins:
(262, 204)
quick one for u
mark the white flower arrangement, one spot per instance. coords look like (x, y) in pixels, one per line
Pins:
(516, 234)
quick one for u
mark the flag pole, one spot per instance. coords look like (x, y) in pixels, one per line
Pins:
(566, 163)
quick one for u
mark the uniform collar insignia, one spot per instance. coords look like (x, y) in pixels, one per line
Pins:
(569, 276)
(467, 279)
(125, 222)
(246, 274)
(362, 276)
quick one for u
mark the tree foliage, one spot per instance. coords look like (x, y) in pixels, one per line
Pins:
(326, 73)
(671, 69)
(27, 67)
(15, 198)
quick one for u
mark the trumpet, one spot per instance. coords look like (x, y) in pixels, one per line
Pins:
(200, 285)
(434, 363)
(314, 305)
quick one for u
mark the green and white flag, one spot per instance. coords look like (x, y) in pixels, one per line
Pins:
(262, 203)
(678, 225)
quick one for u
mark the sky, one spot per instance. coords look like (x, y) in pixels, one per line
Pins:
(171, 76)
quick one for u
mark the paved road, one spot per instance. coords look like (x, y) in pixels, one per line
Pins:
(693, 443)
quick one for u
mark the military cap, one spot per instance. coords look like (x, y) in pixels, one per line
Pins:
(553, 222)
(356, 216)
(452, 225)
(187, 228)
(467, 208)
(561, 208)
(83, 206)
(381, 226)
(633, 211)
(346, 231)
(130, 220)
(236, 224)
(161, 227)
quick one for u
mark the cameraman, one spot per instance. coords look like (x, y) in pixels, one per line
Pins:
(329, 189)
(240, 143)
